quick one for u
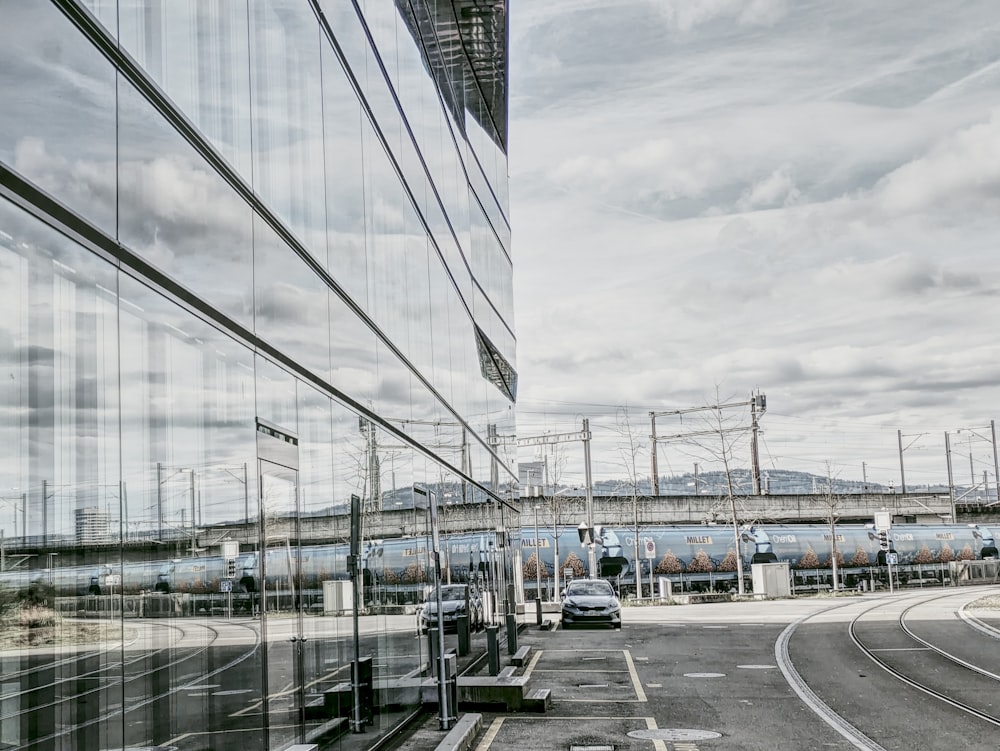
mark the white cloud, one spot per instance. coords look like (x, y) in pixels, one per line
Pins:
(801, 198)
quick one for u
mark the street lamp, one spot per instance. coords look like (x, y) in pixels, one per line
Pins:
(538, 573)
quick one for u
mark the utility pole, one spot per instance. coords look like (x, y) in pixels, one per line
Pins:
(951, 477)
(582, 435)
(591, 552)
(902, 475)
(758, 406)
(652, 454)
(996, 463)
(757, 401)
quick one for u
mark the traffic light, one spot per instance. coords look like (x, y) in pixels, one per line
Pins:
(230, 568)
(883, 539)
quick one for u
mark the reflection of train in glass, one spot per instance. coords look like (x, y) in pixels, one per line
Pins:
(695, 554)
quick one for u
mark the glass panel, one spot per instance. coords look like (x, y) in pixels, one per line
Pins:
(287, 116)
(198, 54)
(57, 122)
(179, 214)
(60, 491)
(345, 207)
(189, 468)
(291, 309)
(281, 607)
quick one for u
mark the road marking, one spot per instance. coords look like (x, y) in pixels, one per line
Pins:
(657, 744)
(654, 685)
(491, 734)
(902, 649)
(534, 661)
(636, 684)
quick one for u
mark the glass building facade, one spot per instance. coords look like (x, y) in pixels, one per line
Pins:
(255, 270)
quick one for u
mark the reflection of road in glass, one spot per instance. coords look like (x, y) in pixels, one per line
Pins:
(169, 680)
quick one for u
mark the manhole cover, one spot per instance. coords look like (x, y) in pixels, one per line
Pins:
(674, 734)
(704, 675)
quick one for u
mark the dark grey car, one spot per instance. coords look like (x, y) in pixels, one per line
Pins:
(456, 600)
(590, 601)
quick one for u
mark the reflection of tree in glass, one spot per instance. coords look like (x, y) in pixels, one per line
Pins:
(390, 576)
(531, 564)
(700, 564)
(668, 564)
(573, 562)
(947, 554)
(414, 574)
(860, 557)
(728, 563)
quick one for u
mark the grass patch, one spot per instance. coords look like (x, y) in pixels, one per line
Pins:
(990, 602)
(38, 626)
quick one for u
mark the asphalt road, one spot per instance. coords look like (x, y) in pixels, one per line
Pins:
(750, 675)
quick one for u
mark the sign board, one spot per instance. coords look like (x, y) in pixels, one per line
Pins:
(650, 547)
(892, 558)
(225, 585)
(230, 548)
(112, 580)
(883, 519)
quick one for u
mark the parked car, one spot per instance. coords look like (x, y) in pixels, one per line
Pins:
(590, 601)
(456, 600)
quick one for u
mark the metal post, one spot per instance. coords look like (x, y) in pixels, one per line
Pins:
(159, 500)
(444, 720)
(996, 462)
(902, 475)
(951, 479)
(591, 552)
(754, 456)
(538, 573)
(652, 454)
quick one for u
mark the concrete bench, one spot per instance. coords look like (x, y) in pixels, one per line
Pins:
(507, 672)
(538, 700)
(461, 736)
(521, 656)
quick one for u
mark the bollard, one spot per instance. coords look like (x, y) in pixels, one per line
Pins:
(451, 687)
(511, 633)
(538, 611)
(463, 635)
(432, 649)
(493, 649)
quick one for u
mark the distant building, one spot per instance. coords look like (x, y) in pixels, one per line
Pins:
(92, 526)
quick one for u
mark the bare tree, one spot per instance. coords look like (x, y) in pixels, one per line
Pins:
(832, 503)
(717, 441)
(628, 450)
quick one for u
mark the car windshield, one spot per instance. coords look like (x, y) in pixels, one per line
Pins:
(589, 588)
(452, 593)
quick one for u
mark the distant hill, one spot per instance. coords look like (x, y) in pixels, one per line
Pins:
(773, 482)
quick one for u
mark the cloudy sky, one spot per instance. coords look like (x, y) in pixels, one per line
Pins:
(717, 196)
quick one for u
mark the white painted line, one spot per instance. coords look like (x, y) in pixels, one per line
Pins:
(636, 684)
(490, 735)
(854, 736)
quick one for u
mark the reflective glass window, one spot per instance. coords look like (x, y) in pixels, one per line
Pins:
(198, 54)
(291, 308)
(57, 122)
(286, 96)
(178, 213)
